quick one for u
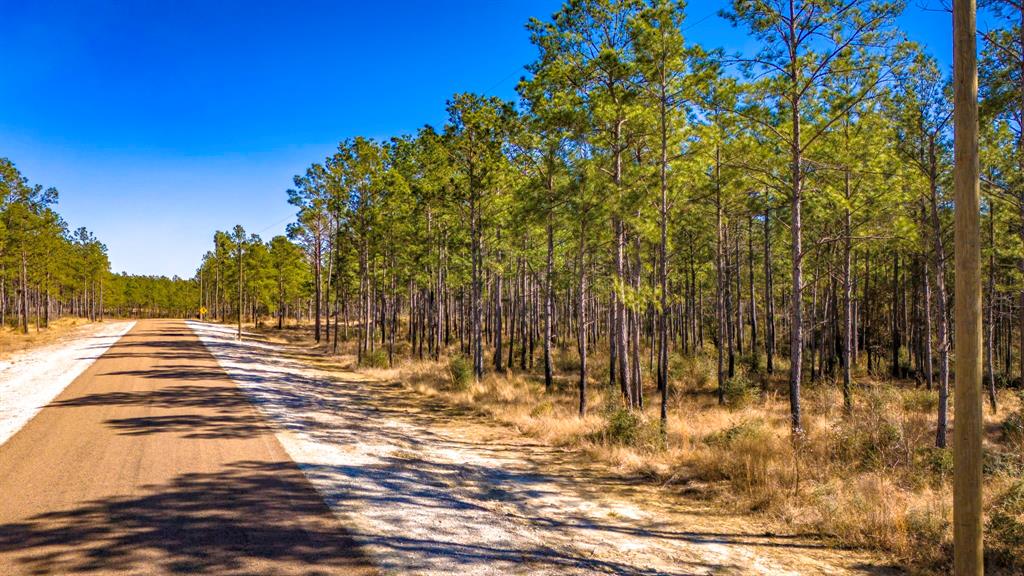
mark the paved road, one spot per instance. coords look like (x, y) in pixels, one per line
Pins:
(153, 462)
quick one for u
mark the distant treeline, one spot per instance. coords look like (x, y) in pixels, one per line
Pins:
(245, 277)
(48, 270)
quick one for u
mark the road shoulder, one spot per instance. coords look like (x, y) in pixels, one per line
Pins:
(31, 378)
(432, 491)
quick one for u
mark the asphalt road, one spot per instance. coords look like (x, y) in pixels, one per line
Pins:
(154, 462)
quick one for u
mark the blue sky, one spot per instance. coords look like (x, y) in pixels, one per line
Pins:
(160, 122)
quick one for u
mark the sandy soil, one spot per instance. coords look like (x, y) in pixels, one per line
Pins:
(153, 462)
(427, 490)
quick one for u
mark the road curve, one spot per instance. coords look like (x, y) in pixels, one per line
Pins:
(153, 462)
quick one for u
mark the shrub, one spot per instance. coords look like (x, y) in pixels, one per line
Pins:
(751, 458)
(1006, 528)
(871, 444)
(1013, 427)
(460, 371)
(695, 371)
(1008, 382)
(1000, 463)
(543, 408)
(920, 400)
(872, 511)
(739, 391)
(566, 361)
(623, 427)
(936, 462)
(375, 359)
(747, 429)
(752, 363)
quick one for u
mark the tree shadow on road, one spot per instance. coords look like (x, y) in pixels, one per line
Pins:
(197, 426)
(249, 518)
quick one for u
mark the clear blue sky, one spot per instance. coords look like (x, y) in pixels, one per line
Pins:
(160, 122)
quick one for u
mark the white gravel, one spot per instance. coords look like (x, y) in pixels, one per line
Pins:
(424, 497)
(29, 380)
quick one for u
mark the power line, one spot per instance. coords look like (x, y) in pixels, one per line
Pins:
(281, 221)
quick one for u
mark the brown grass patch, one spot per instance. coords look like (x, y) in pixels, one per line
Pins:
(13, 341)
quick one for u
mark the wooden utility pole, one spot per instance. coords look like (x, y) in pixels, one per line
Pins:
(967, 523)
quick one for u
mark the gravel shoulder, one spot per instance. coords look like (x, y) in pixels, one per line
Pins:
(427, 490)
(30, 379)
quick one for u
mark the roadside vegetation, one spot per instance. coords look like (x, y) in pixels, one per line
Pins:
(729, 273)
(871, 479)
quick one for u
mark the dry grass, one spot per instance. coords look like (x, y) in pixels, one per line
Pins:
(13, 341)
(871, 479)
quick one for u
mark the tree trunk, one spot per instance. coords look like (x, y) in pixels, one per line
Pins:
(663, 315)
(796, 321)
(477, 289)
(769, 297)
(317, 280)
(548, 304)
(991, 305)
(720, 312)
(240, 241)
(929, 361)
(895, 339)
(847, 305)
(754, 350)
(582, 324)
(23, 294)
(943, 331)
